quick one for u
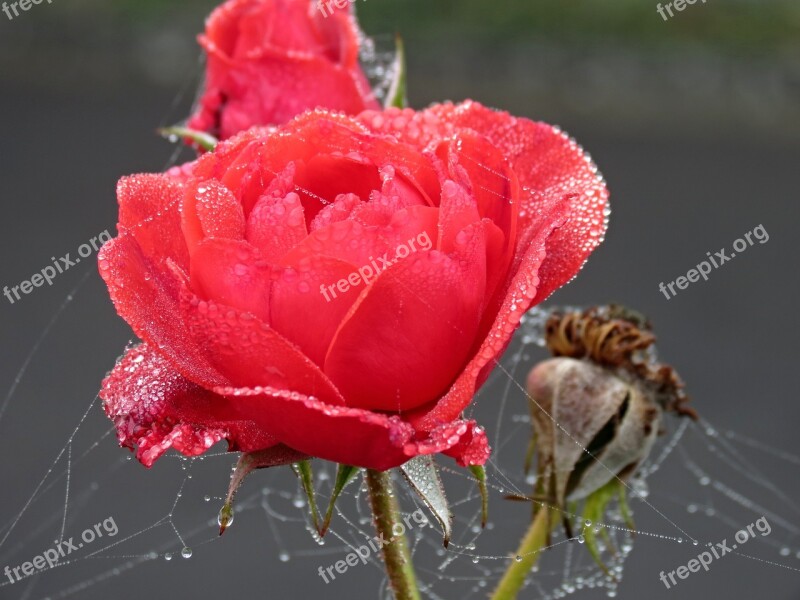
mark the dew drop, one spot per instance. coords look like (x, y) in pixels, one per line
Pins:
(283, 556)
(186, 552)
(225, 516)
(168, 556)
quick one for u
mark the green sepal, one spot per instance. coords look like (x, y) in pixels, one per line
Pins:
(203, 140)
(305, 473)
(396, 97)
(480, 476)
(344, 475)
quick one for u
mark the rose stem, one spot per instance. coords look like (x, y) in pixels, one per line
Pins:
(396, 556)
(529, 550)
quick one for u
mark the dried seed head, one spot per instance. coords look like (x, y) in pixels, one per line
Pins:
(591, 426)
(621, 340)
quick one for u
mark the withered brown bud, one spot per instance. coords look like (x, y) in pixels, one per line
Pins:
(592, 425)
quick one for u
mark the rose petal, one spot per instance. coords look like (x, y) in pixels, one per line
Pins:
(345, 435)
(210, 210)
(276, 225)
(147, 298)
(521, 293)
(233, 273)
(148, 211)
(154, 408)
(249, 352)
(550, 166)
(306, 305)
(409, 334)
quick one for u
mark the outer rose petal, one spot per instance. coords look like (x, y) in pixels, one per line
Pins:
(519, 298)
(147, 298)
(147, 211)
(562, 218)
(473, 447)
(154, 409)
(550, 167)
(350, 435)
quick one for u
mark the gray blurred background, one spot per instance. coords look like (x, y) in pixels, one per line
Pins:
(695, 123)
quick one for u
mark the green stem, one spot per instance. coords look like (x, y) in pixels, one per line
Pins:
(529, 550)
(396, 556)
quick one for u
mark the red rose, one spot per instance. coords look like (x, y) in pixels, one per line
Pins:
(270, 60)
(248, 281)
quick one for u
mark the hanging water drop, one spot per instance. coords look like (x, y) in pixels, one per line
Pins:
(225, 517)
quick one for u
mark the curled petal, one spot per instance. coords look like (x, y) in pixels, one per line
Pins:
(337, 433)
(154, 408)
(146, 296)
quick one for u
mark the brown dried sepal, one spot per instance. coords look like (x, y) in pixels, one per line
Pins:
(619, 339)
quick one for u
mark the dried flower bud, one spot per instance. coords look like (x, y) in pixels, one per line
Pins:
(592, 426)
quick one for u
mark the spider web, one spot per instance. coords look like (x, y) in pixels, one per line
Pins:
(168, 516)
(723, 486)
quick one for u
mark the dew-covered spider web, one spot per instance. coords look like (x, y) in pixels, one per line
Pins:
(173, 521)
(166, 519)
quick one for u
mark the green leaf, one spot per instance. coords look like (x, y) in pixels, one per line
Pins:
(480, 476)
(204, 140)
(396, 96)
(423, 476)
(306, 474)
(344, 475)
